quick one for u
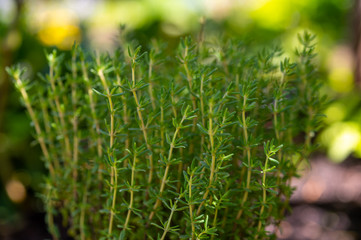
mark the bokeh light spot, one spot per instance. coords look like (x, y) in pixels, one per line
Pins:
(341, 79)
(56, 26)
(16, 191)
(285, 230)
(312, 190)
(61, 36)
(273, 14)
(335, 113)
(342, 138)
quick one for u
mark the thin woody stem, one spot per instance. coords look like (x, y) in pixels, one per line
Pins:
(143, 127)
(164, 179)
(113, 175)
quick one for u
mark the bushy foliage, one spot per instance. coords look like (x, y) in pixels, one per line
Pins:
(196, 143)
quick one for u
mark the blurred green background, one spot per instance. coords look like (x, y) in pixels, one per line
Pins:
(27, 27)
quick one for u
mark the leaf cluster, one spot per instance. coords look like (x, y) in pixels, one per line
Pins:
(167, 144)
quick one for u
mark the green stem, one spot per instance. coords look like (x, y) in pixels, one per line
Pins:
(113, 175)
(194, 104)
(166, 230)
(191, 205)
(82, 211)
(276, 128)
(142, 126)
(94, 116)
(264, 197)
(60, 110)
(131, 193)
(214, 224)
(48, 132)
(162, 128)
(164, 179)
(248, 153)
(45, 151)
(202, 110)
(213, 153)
(125, 116)
(33, 118)
(150, 87)
(50, 217)
(75, 127)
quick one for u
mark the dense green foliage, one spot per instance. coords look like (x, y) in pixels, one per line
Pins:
(199, 143)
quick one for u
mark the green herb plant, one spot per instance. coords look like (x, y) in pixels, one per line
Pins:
(199, 142)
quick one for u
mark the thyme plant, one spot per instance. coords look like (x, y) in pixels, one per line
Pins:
(196, 143)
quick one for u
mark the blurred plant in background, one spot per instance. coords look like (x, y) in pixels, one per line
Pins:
(27, 26)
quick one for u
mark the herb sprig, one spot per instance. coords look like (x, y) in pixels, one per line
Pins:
(167, 144)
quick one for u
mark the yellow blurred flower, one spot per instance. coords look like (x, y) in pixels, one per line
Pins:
(56, 26)
(61, 36)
